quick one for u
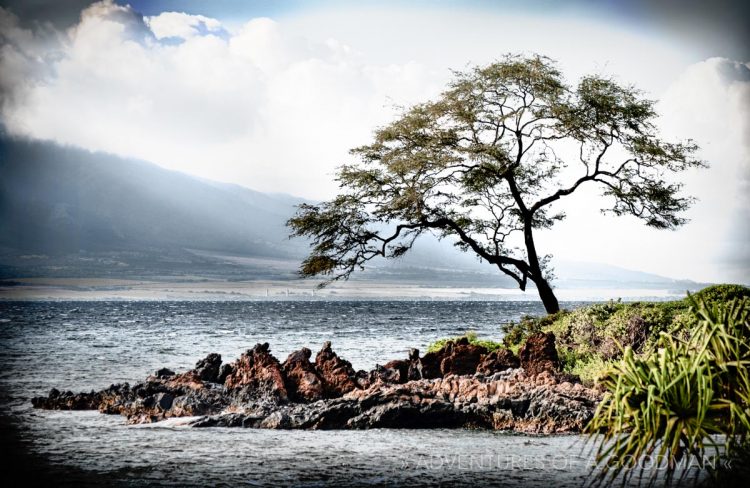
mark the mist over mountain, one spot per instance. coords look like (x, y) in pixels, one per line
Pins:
(67, 212)
(73, 209)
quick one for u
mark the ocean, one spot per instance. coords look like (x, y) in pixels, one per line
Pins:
(82, 346)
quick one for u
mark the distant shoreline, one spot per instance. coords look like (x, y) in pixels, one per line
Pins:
(100, 289)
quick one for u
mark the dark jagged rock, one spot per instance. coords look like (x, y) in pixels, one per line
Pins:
(337, 374)
(164, 373)
(303, 382)
(260, 370)
(429, 364)
(224, 372)
(538, 354)
(538, 405)
(384, 375)
(497, 361)
(415, 366)
(207, 368)
(257, 391)
(156, 400)
(400, 367)
(67, 400)
(457, 357)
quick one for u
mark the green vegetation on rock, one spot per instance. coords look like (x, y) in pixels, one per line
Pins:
(592, 338)
(471, 336)
(675, 374)
(686, 401)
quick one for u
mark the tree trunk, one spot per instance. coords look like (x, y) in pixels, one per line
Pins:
(548, 296)
(545, 290)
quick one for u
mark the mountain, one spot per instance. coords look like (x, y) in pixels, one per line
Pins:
(581, 274)
(67, 212)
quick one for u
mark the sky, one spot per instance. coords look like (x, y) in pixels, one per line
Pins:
(272, 94)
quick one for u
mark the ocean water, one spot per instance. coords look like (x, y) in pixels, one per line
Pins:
(88, 345)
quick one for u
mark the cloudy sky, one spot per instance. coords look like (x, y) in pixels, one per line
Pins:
(272, 94)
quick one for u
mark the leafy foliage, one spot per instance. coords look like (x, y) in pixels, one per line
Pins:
(637, 324)
(591, 338)
(722, 293)
(671, 404)
(589, 368)
(472, 338)
(484, 164)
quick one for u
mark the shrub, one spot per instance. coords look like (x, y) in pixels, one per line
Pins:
(515, 334)
(599, 332)
(472, 338)
(722, 293)
(668, 405)
(589, 368)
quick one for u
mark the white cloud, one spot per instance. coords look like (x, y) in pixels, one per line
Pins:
(182, 25)
(260, 106)
(276, 105)
(708, 102)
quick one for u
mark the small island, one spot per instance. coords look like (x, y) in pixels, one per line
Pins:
(462, 384)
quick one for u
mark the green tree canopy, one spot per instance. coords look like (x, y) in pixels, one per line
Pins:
(483, 163)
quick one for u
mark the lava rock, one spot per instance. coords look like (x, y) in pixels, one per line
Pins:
(337, 374)
(461, 358)
(538, 354)
(415, 366)
(224, 372)
(259, 369)
(259, 392)
(302, 380)
(497, 361)
(207, 369)
(400, 368)
(164, 373)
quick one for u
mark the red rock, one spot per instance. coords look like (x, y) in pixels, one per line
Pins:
(531, 401)
(401, 367)
(462, 358)
(539, 354)
(190, 379)
(415, 366)
(497, 361)
(303, 382)
(337, 374)
(260, 370)
(430, 364)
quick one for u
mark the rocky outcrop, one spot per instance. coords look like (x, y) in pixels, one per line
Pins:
(398, 369)
(538, 354)
(67, 400)
(461, 358)
(506, 401)
(302, 380)
(498, 361)
(259, 371)
(429, 364)
(461, 385)
(207, 369)
(337, 374)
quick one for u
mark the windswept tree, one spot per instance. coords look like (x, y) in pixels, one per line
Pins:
(483, 164)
